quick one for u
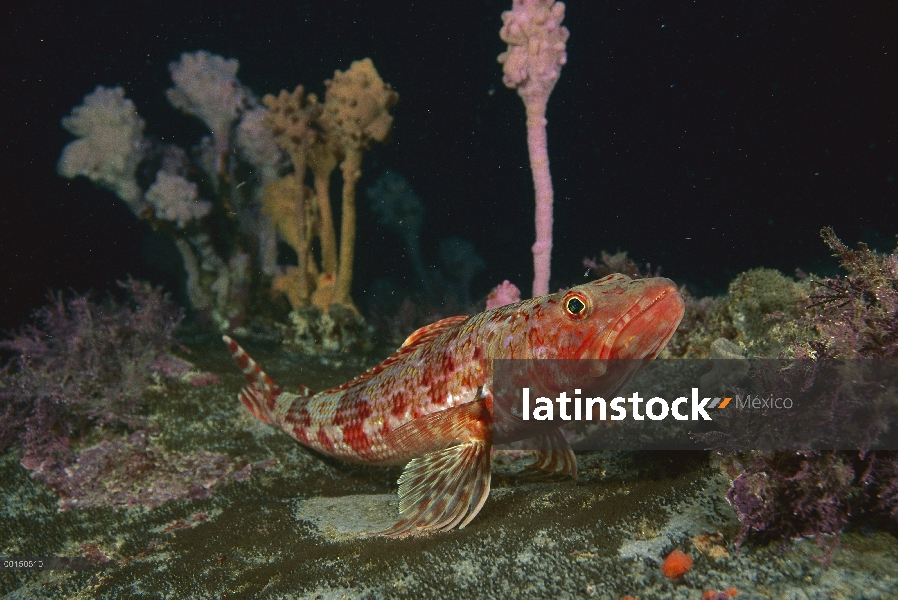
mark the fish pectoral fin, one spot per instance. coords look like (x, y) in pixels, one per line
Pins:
(554, 458)
(443, 489)
(450, 480)
(438, 430)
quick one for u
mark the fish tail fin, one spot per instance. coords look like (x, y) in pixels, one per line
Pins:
(261, 393)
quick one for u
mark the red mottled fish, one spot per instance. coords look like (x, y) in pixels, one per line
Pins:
(430, 406)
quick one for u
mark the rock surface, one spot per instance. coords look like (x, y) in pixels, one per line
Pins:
(299, 528)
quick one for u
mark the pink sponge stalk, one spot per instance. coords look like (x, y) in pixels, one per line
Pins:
(532, 64)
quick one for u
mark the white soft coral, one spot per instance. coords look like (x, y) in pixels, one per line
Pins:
(175, 199)
(110, 143)
(206, 86)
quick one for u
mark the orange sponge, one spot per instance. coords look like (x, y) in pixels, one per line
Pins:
(676, 564)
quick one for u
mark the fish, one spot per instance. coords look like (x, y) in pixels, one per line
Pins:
(430, 405)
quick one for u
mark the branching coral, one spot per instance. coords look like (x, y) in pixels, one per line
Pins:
(398, 207)
(226, 202)
(81, 373)
(206, 86)
(318, 136)
(618, 263)
(356, 106)
(132, 471)
(857, 314)
(793, 494)
(110, 144)
(787, 495)
(462, 262)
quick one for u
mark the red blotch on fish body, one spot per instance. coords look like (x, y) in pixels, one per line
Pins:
(300, 434)
(400, 404)
(439, 399)
(326, 443)
(676, 564)
(354, 431)
(299, 416)
(448, 363)
(347, 410)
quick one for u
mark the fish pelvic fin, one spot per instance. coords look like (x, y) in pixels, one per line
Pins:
(260, 394)
(554, 459)
(448, 486)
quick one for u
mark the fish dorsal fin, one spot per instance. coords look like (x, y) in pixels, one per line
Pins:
(447, 486)
(428, 332)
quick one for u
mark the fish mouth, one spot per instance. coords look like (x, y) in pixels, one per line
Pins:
(643, 331)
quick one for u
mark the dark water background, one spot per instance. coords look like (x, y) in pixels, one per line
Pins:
(705, 138)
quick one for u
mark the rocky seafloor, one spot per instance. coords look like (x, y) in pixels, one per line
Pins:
(297, 526)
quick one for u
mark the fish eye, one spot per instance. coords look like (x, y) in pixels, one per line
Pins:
(576, 306)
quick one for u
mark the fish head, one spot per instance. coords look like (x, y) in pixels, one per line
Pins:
(590, 339)
(611, 318)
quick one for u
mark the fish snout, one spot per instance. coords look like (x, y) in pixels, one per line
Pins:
(654, 317)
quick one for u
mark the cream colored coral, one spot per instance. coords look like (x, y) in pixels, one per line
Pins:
(175, 199)
(206, 86)
(356, 106)
(289, 118)
(257, 145)
(279, 203)
(110, 144)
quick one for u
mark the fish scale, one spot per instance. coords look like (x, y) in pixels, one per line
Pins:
(429, 406)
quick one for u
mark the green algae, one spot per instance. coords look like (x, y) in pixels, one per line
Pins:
(760, 313)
